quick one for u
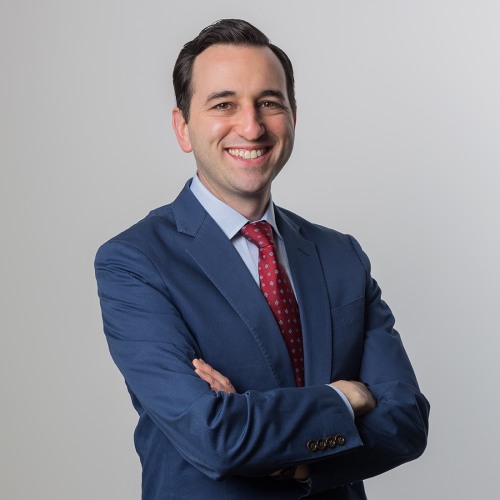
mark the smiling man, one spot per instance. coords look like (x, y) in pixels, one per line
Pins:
(255, 345)
(241, 124)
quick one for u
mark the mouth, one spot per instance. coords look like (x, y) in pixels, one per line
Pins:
(248, 154)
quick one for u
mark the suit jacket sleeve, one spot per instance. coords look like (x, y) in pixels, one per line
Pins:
(396, 431)
(248, 434)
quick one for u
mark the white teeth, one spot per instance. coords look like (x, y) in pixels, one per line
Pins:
(247, 154)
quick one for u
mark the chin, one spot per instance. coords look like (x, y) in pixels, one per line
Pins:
(255, 188)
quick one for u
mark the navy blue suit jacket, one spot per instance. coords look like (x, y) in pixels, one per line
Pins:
(173, 287)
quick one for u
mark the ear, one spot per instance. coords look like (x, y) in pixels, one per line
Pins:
(181, 130)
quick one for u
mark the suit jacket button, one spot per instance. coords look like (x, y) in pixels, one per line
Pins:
(312, 445)
(321, 444)
(330, 442)
(340, 439)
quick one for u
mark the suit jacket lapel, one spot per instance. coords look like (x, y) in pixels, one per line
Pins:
(218, 259)
(312, 296)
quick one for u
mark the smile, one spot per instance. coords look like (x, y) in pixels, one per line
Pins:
(248, 154)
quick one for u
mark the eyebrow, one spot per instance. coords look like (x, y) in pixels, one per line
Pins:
(272, 93)
(231, 93)
(220, 95)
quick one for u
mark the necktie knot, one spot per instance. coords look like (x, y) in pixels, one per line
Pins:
(259, 233)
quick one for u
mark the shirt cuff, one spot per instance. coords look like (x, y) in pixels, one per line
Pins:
(344, 399)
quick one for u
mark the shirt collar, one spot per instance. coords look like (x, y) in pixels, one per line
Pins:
(227, 218)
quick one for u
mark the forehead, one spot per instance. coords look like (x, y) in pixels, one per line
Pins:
(237, 68)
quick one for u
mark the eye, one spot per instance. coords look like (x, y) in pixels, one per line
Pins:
(222, 106)
(269, 105)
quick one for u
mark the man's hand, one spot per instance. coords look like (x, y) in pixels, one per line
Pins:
(357, 393)
(217, 381)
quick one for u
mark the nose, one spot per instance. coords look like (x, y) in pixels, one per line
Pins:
(249, 124)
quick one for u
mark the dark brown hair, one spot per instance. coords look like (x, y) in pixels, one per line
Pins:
(223, 32)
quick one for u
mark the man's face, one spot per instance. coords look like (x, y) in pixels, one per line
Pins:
(241, 127)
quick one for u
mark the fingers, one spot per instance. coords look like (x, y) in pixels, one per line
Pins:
(358, 394)
(217, 381)
(302, 473)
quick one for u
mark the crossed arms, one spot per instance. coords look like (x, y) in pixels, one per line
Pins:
(358, 395)
(258, 431)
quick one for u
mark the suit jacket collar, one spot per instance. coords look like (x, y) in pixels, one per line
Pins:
(188, 213)
(216, 256)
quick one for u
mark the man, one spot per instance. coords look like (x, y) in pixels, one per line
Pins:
(309, 388)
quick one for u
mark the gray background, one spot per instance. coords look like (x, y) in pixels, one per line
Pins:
(397, 143)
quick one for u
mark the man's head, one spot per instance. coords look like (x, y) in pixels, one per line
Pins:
(224, 32)
(238, 119)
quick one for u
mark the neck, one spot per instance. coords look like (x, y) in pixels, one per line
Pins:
(252, 210)
(252, 206)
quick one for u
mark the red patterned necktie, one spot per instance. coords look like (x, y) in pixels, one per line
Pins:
(277, 290)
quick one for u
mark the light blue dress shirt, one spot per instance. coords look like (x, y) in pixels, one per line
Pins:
(231, 221)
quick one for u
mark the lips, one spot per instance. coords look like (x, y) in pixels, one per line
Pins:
(247, 154)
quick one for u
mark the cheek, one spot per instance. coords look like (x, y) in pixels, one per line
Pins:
(204, 133)
(283, 128)
(215, 131)
(287, 137)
